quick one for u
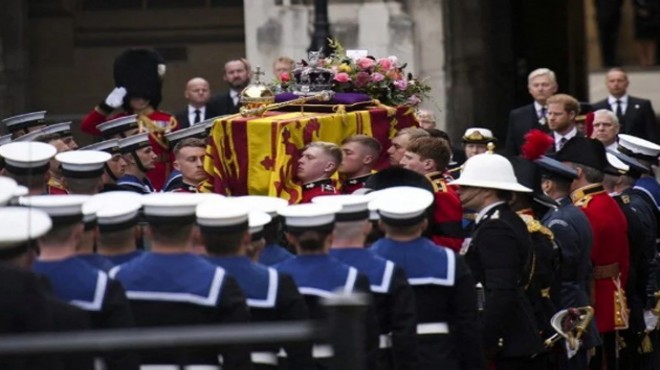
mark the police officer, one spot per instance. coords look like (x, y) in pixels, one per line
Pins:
(499, 256)
(572, 233)
(445, 300)
(103, 298)
(169, 286)
(394, 299)
(309, 229)
(271, 296)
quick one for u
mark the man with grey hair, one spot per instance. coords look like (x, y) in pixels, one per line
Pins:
(400, 142)
(606, 128)
(541, 84)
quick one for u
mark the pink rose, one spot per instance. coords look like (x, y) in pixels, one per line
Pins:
(377, 77)
(413, 100)
(285, 77)
(365, 63)
(362, 79)
(394, 60)
(342, 77)
(393, 74)
(385, 64)
(401, 84)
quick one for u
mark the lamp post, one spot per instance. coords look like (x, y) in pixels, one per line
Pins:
(321, 27)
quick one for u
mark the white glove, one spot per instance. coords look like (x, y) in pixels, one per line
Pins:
(572, 352)
(651, 320)
(116, 97)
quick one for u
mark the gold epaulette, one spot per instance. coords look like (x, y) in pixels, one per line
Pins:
(583, 202)
(470, 216)
(534, 226)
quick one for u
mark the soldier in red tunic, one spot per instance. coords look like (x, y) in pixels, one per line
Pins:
(316, 165)
(429, 156)
(138, 77)
(360, 154)
(610, 251)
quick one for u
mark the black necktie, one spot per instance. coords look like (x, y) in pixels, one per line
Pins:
(198, 117)
(543, 114)
(562, 141)
(619, 111)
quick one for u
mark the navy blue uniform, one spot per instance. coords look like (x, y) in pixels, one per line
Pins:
(97, 261)
(132, 183)
(183, 289)
(76, 282)
(499, 257)
(448, 332)
(274, 254)
(271, 297)
(318, 276)
(119, 259)
(394, 301)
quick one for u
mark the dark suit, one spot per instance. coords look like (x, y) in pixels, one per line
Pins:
(638, 119)
(223, 104)
(183, 118)
(521, 121)
(499, 257)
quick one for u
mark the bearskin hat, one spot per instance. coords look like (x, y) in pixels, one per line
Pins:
(140, 72)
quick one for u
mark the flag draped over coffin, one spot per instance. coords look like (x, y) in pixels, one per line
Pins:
(258, 155)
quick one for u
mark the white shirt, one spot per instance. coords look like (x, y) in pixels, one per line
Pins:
(613, 147)
(191, 114)
(624, 103)
(234, 96)
(568, 137)
(485, 210)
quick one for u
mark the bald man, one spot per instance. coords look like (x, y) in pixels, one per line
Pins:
(198, 94)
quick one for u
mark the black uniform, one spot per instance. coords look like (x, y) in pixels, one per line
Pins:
(184, 289)
(319, 276)
(271, 297)
(448, 327)
(499, 258)
(394, 301)
(641, 240)
(76, 282)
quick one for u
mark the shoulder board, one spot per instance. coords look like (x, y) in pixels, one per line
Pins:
(583, 202)
(534, 226)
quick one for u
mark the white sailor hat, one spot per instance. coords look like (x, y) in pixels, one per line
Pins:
(170, 207)
(5, 139)
(118, 216)
(490, 171)
(401, 205)
(615, 166)
(109, 146)
(196, 131)
(227, 215)
(7, 189)
(20, 225)
(133, 143)
(26, 120)
(353, 207)
(61, 129)
(118, 125)
(105, 200)
(19, 191)
(478, 135)
(83, 164)
(638, 148)
(636, 168)
(26, 158)
(62, 209)
(257, 220)
(263, 203)
(309, 216)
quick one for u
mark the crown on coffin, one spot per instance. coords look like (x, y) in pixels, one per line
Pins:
(312, 79)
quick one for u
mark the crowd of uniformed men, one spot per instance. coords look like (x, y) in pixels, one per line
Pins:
(465, 263)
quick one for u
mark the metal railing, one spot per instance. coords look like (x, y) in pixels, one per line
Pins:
(344, 329)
